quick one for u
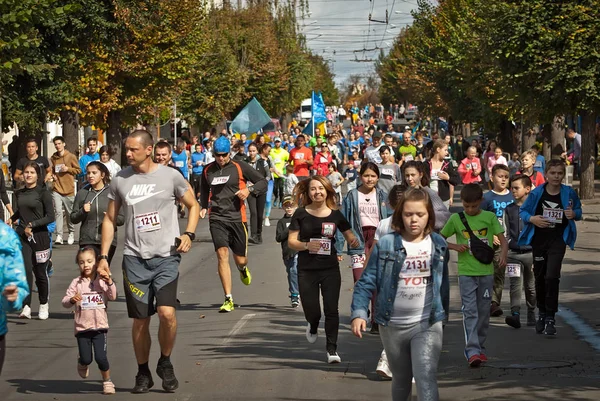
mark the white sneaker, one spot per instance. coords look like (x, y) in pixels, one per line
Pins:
(58, 240)
(43, 313)
(25, 313)
(333, 358)
(267, 222)
(383, 369)
(71, 239)
(312, 338)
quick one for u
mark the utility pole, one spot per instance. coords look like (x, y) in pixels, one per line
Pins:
(239, 4)
(175, 122)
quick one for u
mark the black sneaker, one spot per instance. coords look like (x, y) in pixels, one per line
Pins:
(143, 383)
(513, 320)
(165, 371)
(374, 328)
(540, 324)
(495, 310)
(531, 318)
(295, 301)
(550, 329)
(252, 241)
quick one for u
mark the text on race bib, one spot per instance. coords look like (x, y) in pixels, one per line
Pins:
(147, 222)
(299, 156)
(58, 168)
(325, 246)
(408, 157)
(220, 180)
(513, 270)
(179, 163)
(553, 215)
(358, 261)
(42, 256)
(92, 300)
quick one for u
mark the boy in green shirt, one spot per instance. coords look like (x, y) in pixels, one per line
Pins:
(475, 279)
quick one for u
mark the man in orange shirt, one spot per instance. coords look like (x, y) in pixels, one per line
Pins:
(301, 158)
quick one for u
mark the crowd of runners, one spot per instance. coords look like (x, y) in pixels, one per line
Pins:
(380, 194)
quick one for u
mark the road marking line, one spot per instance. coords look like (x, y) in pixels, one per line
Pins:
(237, 328)
(585, 331)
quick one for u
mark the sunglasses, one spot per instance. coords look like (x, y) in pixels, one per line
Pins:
(221, 154)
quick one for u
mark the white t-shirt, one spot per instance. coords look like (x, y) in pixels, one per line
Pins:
(368, 209)
(434, 179)
(384, 227)
(414, 295)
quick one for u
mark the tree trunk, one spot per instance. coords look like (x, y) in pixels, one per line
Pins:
(113, 135)
(70, 125)
(588, 155)
(529, 136)
(557, 137)
(546, 147)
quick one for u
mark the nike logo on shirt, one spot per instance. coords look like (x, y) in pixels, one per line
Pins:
(140, 192)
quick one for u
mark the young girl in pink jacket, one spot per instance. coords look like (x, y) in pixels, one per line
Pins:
(89, 294)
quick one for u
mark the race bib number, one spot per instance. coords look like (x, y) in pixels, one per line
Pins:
(553, 215)
(325, 246)
(179, 163)
(147, 222)
(58, 168)
(469, 166)
(220, 180)
(324, 160)
(408, 157)
(92, 300)
(42, 256)
(513, 270)
(387, 171)
(416, 267)
(434, 174)
(358, 261)
(299, 156)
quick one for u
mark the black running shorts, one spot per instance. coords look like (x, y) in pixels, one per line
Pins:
(150, 283)
(230, 234)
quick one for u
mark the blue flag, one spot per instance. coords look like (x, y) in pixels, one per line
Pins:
(318, 108)
(251, 119)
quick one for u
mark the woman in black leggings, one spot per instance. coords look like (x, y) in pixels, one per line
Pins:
(34, 211)
(257, 201)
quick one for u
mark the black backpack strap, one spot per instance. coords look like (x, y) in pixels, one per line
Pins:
(463, 219)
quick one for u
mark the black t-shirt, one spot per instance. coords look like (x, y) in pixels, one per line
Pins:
(41, 161)
(554, 207)
(323, 228)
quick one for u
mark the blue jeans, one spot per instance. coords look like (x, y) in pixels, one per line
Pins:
(291, 268)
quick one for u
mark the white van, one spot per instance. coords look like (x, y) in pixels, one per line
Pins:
(306, 109)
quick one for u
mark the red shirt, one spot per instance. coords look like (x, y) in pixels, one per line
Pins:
(300, 156)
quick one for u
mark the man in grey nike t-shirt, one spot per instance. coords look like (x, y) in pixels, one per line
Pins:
(147, 192)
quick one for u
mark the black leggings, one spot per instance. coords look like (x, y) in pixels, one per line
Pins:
(2, 351)
(196, 179)
(328, 281)
(277, 189)
(547, 263)
(98, 340)
(257, 210)
(39, 270)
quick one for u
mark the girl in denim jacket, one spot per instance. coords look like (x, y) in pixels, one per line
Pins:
(406, 270)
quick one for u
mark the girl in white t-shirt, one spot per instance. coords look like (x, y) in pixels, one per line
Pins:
(409, 307)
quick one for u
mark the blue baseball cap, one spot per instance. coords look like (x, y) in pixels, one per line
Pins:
(222, 145)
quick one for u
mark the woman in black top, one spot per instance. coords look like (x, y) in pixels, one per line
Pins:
(312, 233)
(34, 211)
(257, 200)
(90, 205)
(442, 174)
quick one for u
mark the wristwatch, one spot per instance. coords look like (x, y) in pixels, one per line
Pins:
(105, 257)
(191, 235)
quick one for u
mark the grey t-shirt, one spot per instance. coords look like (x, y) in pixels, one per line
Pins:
(148, 202)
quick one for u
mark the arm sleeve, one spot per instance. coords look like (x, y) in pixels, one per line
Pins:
(75, 168)
(48, 210)
(71, 291)
(77, 213)
(204, 189)
(121, 216)
(364, 287)
(448, 230)
(496, 227)
(3, 193)
(282, 231)
(11, 260)
(252, 175)
(442, 214)
(527, 209)
(454, 177)
(576, 204)
(340, 241)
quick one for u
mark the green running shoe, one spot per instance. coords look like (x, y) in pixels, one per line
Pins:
(227, 305)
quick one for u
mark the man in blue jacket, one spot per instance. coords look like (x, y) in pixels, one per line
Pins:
(13, 282)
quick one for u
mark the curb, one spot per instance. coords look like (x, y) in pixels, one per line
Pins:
(595, 219)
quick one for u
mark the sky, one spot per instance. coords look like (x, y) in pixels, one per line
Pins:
(343, 27)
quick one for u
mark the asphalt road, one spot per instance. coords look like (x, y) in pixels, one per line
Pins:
(259, 351)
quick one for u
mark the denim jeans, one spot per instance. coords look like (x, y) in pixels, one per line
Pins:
(291, 268)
